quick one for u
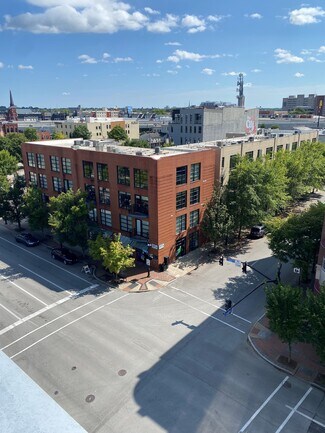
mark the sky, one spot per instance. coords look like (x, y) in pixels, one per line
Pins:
(157, 53)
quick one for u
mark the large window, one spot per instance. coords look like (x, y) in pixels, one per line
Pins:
(141, 204)
(93, 215)
(57, 184)
(180, 223)
(91, 193)
(250, 155)
(55, 164)
(42, 181)
(67, 184)
(142, 228)
(33, 178)
(88, 168)
(194, 240)
(124, 200)
(66, 165)
(181, 200)
(140, 178)
(126, 223)
(194, 218)
(102, 172)
(233, 161)
(123, 175)
(106, 217)
(195, 195)
(181, 175)
(195, 172)
(30, 159)
(40, 160)
(104, 196)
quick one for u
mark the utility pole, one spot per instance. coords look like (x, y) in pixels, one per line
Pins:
(240, 90)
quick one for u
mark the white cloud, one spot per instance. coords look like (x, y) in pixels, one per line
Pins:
(172, 72)
(192, 21)
(151, 75)
(299, 75)
(196, 29)
(314, 59)
(22, 67)
(87, 59)
(163, 26)
(179, 55)
(284, 56)
(215, 18)
(233, 74)
(159, 61)
(304, 52)
(256, 71)
(208, 71)
(254, 16)
(173, 44)
(122, 59)
(2, 65)
(65, 93)
(248, 84)
(151, 11)
(106, 55)
(306, 15)
(321, 49)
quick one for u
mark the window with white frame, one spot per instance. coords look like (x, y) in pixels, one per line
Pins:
(55, 164)
(194, 218)
(42, 181)
(40, 160)
(180, 223)
(106, 217)
(57, 184)
(31, 159)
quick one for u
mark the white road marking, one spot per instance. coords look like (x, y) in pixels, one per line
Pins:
(210, 303)
(7, 309)
(68, 324)
(202, 312)
(263, 405)
(294, 409)
(306, 416)
(23, 290)
(48, 307)
(44, 260)
(45, 279)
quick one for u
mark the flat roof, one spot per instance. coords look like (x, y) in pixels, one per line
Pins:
(26, 408)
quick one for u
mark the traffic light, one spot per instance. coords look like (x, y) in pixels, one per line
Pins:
(244, 268)
(221, 261)
(228, 304)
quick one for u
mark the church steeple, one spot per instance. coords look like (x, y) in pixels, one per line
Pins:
(11, 100)
(12, 112)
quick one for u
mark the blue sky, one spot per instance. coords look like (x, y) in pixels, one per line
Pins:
(145, 53)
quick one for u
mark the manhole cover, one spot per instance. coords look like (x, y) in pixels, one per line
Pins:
(122, 372)
(90, 398)
(74, 368)
(287, 385)
(56, 392)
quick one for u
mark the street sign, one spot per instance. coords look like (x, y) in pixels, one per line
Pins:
(148, 262)
(296, 270)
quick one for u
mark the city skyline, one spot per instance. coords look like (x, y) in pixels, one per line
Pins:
(107, 53)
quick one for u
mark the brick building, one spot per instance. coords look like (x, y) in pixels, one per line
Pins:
(154, 197)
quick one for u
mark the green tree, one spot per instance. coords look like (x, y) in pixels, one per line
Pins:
(316, 320)
(216, 223)
(285, 311)
(137, 143)
(58, 136)
(68, 217)
(298, 237)
(36, 209)
(12, 142)
(15, 200)
(114, 255)
(118, 133)
(243, 199)
(275, 127)
(296, 184)
(31, 134)
(81, 131)
(8, 163)
(313, 155)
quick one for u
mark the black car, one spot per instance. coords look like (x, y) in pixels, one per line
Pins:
(64, 255)
(257, 231)
(27, 239)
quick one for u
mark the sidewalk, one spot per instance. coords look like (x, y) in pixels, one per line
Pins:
(305, 363)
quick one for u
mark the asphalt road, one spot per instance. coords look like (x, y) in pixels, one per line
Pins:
(163, 361)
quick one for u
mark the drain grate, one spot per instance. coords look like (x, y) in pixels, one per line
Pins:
(122, 372)
(74, 368)
(90, 398)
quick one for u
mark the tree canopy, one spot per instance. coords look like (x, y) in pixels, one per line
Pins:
(36, 209)
(31, 134)
(118, 133)
(81, 131)
(68, 217)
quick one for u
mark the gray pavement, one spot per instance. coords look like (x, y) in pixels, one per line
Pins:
(163, 361)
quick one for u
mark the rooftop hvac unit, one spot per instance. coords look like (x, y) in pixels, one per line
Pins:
(78, 142)
(138, 153)
(157, 150)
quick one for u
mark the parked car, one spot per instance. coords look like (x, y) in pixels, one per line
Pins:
(64, 255)
(27, 239)
(257, 231)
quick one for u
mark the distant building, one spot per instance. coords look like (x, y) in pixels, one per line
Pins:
(99, 127)
(300, 101)
(10, 124)
(320, 105)
(198, 124)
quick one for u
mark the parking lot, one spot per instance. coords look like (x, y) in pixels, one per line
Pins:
(162, 361)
